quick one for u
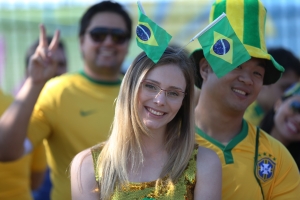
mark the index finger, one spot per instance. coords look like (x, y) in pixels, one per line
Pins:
(43, 38)
(55, 41)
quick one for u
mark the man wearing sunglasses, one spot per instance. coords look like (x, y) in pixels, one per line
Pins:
(74, 111)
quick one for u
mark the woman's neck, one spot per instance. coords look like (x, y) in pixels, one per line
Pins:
(155, 157)
(276, 134)
(153, 143)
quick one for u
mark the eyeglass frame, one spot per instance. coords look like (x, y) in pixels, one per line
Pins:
(115, 34)
(165, 90)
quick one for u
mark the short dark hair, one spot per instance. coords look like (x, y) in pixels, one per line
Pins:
(104, 6)
(30, 51)
(286, 59)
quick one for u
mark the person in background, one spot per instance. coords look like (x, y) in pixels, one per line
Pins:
(42, 192)
(21, 176)
(283, 121)
(270, 93)
(254, 164)
(73, 111)
(61, 56)
(28, 172)
(61, 61)
(151, 152)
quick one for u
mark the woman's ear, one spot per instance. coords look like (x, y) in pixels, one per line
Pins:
(204, 68)
(277, 104)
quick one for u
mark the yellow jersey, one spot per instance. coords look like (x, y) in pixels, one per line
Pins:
(15, 176)
(254, 166)
(73, 113)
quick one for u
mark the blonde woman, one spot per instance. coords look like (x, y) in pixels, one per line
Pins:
(151, 152)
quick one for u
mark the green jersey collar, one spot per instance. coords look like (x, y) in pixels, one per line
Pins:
(117, 82)
(226, 149)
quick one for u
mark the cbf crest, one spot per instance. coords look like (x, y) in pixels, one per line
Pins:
(265, 167)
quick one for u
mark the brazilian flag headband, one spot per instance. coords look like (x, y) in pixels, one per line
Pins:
(222, 48)
(150, 37)
(292, 91)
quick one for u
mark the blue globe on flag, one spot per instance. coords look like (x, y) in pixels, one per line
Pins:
(143, 32)
(221, 47)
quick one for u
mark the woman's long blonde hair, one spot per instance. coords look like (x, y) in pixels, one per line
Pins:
(122, 152)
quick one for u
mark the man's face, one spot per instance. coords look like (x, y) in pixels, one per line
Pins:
(239, 88)
(271, 93)
(104, 57)
(60, 61)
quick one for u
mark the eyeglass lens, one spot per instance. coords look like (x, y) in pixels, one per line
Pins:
(99, 34)
(295, 106)
(154, 89)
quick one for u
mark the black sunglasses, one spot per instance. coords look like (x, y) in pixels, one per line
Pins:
(99, 34)
(295, 106)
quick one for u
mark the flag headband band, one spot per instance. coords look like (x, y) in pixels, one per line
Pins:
(145, 55)
(150, 37)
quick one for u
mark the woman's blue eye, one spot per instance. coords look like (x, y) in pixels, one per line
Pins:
(173, 93)
(150, 86)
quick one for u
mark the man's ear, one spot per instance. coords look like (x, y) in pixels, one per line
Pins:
(204, 68)
(81, 40)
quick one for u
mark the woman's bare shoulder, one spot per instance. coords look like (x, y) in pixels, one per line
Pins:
(207, 155)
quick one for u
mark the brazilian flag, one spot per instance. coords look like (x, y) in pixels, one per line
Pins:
(222, 48)
(151, 38)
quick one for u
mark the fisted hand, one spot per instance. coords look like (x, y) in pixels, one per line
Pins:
(41, 67)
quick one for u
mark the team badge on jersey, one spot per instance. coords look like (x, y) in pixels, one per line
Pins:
(265, 167)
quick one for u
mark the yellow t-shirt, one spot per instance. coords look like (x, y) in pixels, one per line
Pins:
(15, 176)
(72, 113)
(275, 170)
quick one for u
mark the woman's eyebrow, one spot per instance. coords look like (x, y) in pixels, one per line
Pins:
(158, 83)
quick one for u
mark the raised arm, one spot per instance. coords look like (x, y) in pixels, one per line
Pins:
(209, 175)
(83, 182)
(14, 121)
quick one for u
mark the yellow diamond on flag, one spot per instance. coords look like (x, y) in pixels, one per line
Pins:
(150, 37)
(222, 47)
(145, 35)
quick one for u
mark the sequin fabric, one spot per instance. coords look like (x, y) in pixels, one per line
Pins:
(182, 189)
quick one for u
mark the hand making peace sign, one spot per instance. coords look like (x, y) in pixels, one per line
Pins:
(41, 65)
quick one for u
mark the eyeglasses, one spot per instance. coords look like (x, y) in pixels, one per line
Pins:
(295, 106)
(99, 34)
(153, 90)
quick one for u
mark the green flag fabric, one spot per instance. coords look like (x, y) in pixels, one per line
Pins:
(222, 48)
(151, 38)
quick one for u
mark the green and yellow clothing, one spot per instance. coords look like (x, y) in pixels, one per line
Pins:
(72, 113)
(15, 176)
(6, 100)
(254, 163)
(254, 114)
(183, 188)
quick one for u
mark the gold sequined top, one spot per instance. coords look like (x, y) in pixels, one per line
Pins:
(182, 189)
